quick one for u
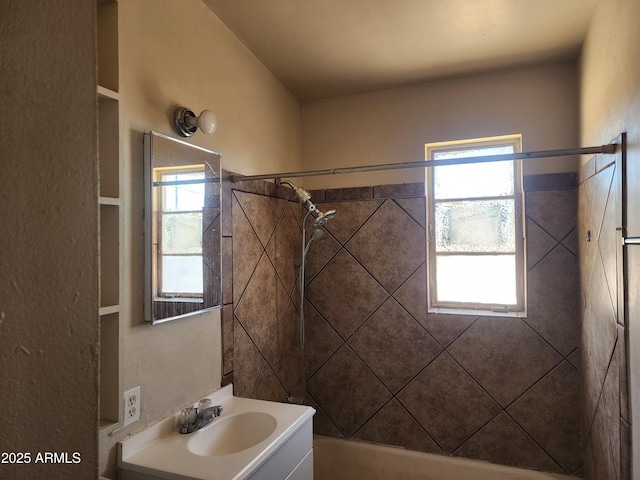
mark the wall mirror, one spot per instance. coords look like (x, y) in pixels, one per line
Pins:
(182, 229)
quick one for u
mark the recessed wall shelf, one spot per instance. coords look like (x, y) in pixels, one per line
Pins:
(115, 202)
(105, 94)
(111, 216)
(109, 310)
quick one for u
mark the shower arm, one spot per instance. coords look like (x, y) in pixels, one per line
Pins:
(303, 196)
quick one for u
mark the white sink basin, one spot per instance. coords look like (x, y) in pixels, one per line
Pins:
(232, 434)
(251, 440)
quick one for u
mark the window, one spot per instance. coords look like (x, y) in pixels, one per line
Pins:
(179, 209)
(475, 241)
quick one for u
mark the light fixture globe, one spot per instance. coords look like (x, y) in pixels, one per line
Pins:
(186, 123)
(207, 122)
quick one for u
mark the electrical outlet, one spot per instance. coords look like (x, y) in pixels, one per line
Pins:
(131, 406)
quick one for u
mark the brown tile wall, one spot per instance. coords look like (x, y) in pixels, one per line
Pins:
(261, 256)
(376, 366)
(606, 421)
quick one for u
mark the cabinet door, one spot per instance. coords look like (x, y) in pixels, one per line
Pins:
(304, 470)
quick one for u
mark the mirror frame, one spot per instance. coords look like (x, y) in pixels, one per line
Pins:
(154, 156)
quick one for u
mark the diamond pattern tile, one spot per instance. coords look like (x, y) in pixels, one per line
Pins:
(322, 425)
(345, 294)
(554, 210)
(599, 334)
(607, 247)
(597, 192)
(571, 242)
(284, 248)
(248, 363)
(347, 391)
(389, 227)
(263, 213)
(262, 305)
(447, 402)
(504, 356)
(416, 207)
(319, 254)
(227, 338)
(393, 425)
(246, 250)
(285, 355)
(412, 294)
(269, 386)
(610, 407)
(539, 243)
(554, 300)
(445, 328)
(574, 358)
(350, 216)
(547, 412)
(587, 239)
(321, 340)
(502, 441)
(603, 460)
(393, 345)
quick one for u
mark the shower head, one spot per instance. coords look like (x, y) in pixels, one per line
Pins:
(317, 234)
(322, 217)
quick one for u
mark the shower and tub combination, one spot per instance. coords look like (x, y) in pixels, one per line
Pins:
(357, 457)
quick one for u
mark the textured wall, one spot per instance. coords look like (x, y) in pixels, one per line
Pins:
(378, 367)
(179, 53)
(393, 125)
(49, 240)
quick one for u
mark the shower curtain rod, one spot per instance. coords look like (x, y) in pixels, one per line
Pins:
(607, 149)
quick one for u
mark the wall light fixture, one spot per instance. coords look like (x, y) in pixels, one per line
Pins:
(186, 123)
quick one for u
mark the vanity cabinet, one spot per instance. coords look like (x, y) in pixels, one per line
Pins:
(293, 460)
(111, 218)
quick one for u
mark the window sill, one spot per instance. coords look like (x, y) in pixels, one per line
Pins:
(476, 312)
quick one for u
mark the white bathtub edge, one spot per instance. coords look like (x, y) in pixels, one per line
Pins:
(439, 467)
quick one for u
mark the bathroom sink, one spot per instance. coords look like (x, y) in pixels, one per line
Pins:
(251, 440)
(233, 434)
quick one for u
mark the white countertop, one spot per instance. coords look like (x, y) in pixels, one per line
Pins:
(162, 451)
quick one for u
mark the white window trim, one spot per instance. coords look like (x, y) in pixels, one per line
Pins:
(159, 293)
(478, 309)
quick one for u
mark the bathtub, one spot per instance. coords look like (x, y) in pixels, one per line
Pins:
(339, 459)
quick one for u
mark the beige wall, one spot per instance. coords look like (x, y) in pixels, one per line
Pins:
(610, 105)
(178, 53)
(393, 125)
(49, 239)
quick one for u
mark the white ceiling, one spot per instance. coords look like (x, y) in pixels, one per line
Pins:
(328, 48)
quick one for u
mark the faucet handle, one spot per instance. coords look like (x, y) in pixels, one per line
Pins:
(188, 415)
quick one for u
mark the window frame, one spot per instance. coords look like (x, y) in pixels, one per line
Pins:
(519, 309)
(158, 288)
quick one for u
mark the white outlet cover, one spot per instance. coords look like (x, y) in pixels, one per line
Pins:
(131, 406)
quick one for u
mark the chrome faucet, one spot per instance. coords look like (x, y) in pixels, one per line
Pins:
(194, 418)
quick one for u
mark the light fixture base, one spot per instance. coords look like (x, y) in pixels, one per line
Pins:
(184, 121)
